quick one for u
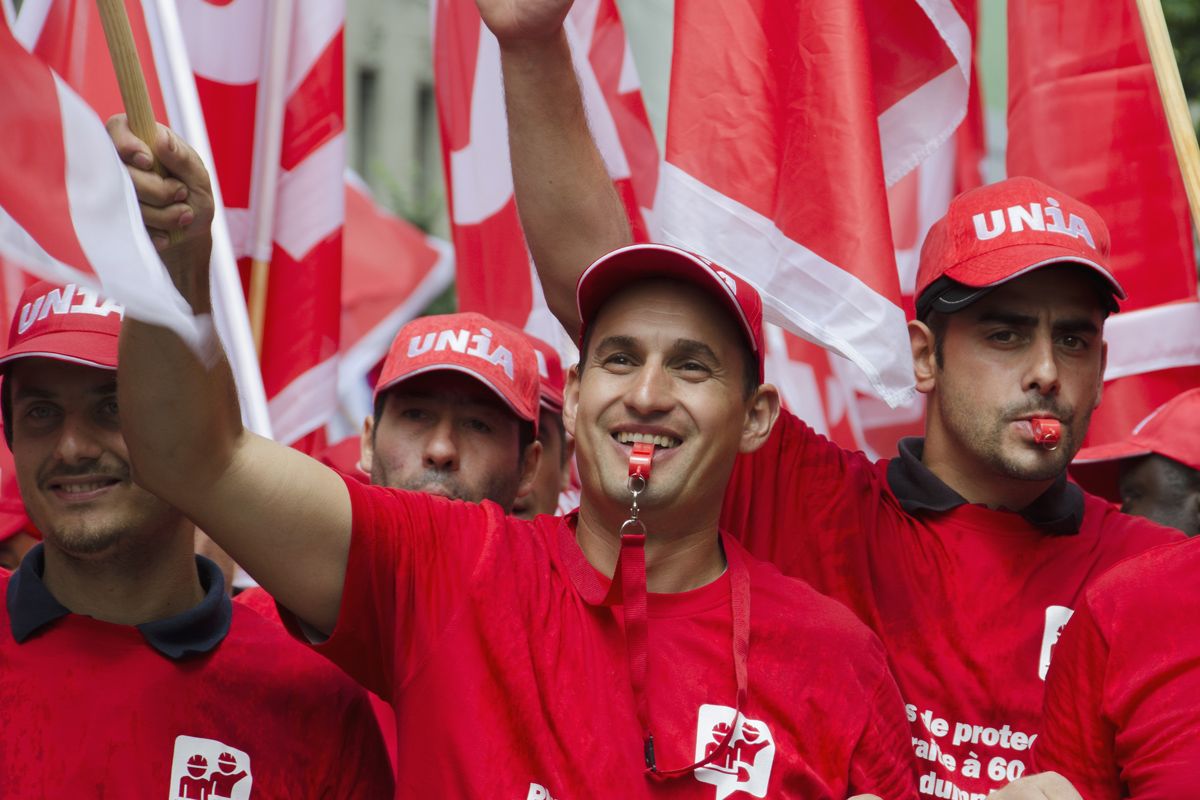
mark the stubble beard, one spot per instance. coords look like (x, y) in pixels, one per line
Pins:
(499, 488)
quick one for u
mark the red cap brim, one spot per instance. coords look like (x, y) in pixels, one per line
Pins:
(90, 348)
(1000, 266)
(527, 414)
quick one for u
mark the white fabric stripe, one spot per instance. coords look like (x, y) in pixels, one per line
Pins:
(912, 129)
(18, 247)
(582, 17)
(10, 14)
(1151, 339)
(239, 221)
(30, 21)
(308, 208)
(800, 290)
(354, 393)
(314, 26)
(306, 403)
(481, 172)
(225, 42)
(108, 223)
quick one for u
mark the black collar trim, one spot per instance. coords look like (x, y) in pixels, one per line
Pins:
(1059, 511)
(195, 631)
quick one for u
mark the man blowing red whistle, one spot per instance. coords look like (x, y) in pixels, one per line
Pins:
(967, 553)
(560, 657)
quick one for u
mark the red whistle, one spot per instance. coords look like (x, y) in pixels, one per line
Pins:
(1046, 432)
(639, 459)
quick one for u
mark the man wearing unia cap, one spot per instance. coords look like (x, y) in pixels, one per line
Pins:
(1155, 471)
(568, 657)
(966, 553)
(127, 672)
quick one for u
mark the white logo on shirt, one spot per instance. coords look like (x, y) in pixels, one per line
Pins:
(1056, 619)
(745, 766)
(538, 792)
(205, 769)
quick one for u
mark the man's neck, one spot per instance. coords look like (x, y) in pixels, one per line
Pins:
(978, 484)
(678, 558)
(132, 585)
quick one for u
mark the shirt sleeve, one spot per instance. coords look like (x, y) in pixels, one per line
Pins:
(412, 559)
(883, 762)
(1076, 739)
(805, 504)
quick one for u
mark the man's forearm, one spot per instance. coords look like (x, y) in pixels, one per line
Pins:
(569, 209)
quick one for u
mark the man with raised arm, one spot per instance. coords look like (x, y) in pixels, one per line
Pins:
(566, 657)
(125, 670)
(967, 553)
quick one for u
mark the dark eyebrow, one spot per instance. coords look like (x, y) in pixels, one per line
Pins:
(104, 389)
(692, 347)
(35, 392)
(1008, 318)
(1080, 325)
(617, 343)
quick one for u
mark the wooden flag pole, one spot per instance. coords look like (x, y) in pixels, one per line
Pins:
(1179, 119)
(259, 272)
(131, 82)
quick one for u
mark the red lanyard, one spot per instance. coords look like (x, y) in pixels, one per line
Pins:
(628, 590)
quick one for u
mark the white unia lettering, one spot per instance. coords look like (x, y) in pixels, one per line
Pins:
(87, 304)
(501, 356)
(1054, 213)
(416, 347)
(29, 314)
(456, 342)
(1018, 218)
(981, 228)
(58, 301)
(1079, 228)
(482, 340)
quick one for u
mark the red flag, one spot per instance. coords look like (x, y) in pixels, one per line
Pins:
(68, 211)
(229, 45)
(1085, 116)
(391, 271)
(495, 276)
(787, 121)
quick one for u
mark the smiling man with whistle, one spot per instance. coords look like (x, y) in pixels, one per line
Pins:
(630, 650)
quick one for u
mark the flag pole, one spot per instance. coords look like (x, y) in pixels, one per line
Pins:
(131, 82)
(268, 147)
(1179, 119)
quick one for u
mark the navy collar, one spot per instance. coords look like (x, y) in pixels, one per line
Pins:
(195, 631)
(1059, 510)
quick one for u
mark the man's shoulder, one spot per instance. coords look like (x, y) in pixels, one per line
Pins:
(1124, 534)
(1158, 580)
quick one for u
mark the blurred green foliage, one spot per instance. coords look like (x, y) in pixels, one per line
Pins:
(1183, 21)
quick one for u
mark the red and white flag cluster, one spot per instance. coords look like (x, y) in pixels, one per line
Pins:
(495, 274)
(787, 122)
(68, 211)
(270, 81)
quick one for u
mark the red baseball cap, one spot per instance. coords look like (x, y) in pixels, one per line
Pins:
(619, 268)
(1171, 430)
(551, 377)
(497, 356)
(998, 232)
(67, 323)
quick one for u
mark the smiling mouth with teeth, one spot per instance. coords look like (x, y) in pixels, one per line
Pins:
(659, 441)
(77, 488)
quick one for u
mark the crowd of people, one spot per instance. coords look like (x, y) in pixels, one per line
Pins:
(635, 577)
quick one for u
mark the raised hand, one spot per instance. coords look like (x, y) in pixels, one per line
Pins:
(513, 21)
(1045, 786)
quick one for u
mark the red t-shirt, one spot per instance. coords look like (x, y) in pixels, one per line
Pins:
(968, 602)
(90, 709)
(1121, 712)
(507, 684)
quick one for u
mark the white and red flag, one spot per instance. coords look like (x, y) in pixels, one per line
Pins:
(1085, 116)
(495, 273)
(787, 123)
(68, 211)
(270, 81)
(67, 35)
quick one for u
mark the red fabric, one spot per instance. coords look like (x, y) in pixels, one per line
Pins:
(90, 709)
(65, 321)
(32, 130)
(467, 621)
(1121, 714)
(258, 599)
(959, 599)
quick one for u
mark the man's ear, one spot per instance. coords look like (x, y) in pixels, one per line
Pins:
(762, 409)
(529, 467)
(571, 399)
(564, 472)
(366, 445)
(1103, 367)
(924, 355)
